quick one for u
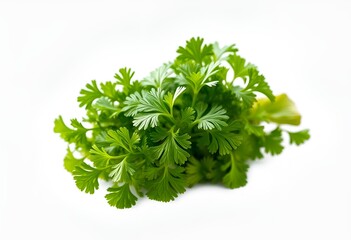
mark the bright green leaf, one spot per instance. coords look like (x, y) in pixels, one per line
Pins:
(195, 50)
(88, 95)
(70, 162)
(86, 178)
(121, 197)
(299, 137)
(124, 78)
(122, 138)
(273, 142)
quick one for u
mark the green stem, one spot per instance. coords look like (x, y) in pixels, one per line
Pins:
(194, 123)
(171, 110)
(169, 116)
(117, 157)
(194, 98)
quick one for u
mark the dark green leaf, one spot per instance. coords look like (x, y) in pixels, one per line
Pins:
(173, 147)
(236, 177)
(224, 140)
(168, 186)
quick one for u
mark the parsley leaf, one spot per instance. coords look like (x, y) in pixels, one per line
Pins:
(122, 171)
(170, 98)
(100, 157)
(239, 66)
(256, 83)
(89, 95)
(76, 135)
(121, 197)
(146, 108)
(70, 162)
(168, 185)
(110, 91)
(219, 53)
(158, 76)
(236, 177)
(86, 178)
(122, 138)
(124, 78)
(223, 141)
(206, 169)
(215, 118)
(172, 148)
(273, 142)
(195, 50)
(299, 137)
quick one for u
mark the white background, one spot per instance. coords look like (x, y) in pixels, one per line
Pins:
(49, 51)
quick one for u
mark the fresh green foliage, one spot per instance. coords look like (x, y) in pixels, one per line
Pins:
(299, 137)
(86, 178)
(186, 123)
(121, 197)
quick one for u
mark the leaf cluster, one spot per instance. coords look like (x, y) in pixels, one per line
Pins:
(186, 123)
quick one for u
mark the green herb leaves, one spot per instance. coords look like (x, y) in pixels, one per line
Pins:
(195, 51)
(184, 124)
(121, 197)
(171, 147)
(86, 178)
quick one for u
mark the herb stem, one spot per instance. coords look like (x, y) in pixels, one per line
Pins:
(194, 98)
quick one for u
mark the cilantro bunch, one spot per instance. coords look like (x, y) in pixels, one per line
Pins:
(197, 119)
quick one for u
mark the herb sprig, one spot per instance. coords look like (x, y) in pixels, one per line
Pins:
(184, 124)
